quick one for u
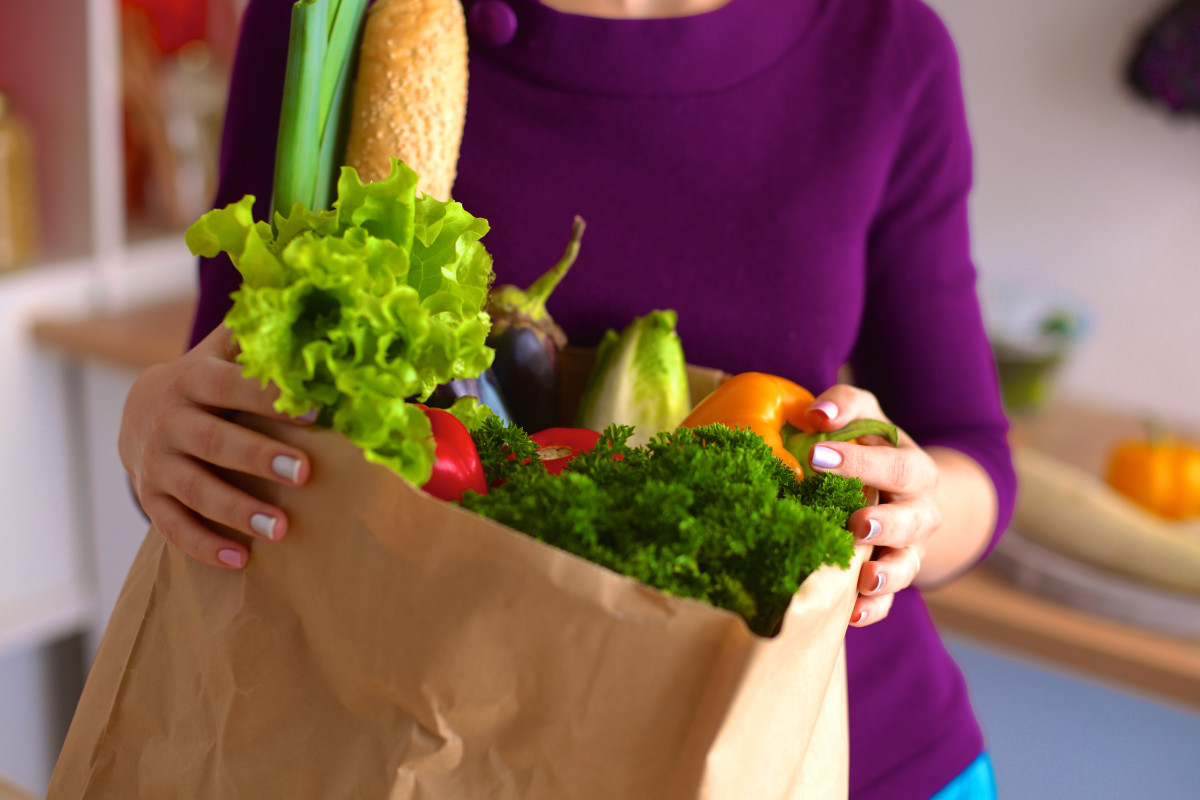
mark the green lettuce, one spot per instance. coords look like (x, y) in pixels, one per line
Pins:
(355, 310)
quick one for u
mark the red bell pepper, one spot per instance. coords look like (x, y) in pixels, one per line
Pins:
(457, 467)
(557, 446)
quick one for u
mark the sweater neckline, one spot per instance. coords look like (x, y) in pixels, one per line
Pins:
(695, 54)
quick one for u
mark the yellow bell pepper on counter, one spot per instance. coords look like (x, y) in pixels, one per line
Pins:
(1160, 473)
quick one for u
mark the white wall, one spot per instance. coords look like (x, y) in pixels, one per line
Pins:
(1084, 187)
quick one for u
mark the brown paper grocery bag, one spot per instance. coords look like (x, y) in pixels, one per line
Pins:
(395, 646)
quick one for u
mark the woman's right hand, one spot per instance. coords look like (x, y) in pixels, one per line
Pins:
(174, 430)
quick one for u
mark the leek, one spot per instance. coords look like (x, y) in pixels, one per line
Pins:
(322, 45)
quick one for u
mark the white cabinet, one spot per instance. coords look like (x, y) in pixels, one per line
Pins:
(44, 586)
(60, 67)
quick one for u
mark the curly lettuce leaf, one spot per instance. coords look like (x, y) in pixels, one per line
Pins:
(356, 310)
(470, 412)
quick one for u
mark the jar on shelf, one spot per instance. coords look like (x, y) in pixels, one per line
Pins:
(18, 196)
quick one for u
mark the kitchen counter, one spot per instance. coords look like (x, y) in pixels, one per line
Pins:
(980, 605)
(990, 610)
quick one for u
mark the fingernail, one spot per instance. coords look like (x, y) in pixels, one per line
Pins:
(309, 416)
(231, 558)
(873, 528)
(826, 457)
(263, 525)
(859, 617)
(825, 407)
(880, 579)
(286, 467)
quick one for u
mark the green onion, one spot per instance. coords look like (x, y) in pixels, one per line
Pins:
(322, 46)
(335, 80)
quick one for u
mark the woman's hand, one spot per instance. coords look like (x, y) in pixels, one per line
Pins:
(907, 517)
(174, 430)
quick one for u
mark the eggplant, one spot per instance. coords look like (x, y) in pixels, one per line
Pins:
(485, 388)
(527, 342)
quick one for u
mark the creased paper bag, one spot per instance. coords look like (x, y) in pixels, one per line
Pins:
(394, 646)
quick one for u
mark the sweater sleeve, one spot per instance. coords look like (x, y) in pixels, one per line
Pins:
(922, 348)
(247, 160)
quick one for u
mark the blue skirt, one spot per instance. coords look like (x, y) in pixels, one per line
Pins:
(976, 782)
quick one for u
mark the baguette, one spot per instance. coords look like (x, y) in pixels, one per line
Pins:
(410, 92)
(1077, 514)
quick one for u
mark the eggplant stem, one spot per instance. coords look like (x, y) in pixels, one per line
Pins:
(537, 294)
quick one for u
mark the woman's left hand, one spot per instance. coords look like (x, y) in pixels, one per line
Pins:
(907, 515)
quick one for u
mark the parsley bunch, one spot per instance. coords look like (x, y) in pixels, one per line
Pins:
(708, 513)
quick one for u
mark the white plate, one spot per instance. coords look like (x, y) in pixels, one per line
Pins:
(1047, 573)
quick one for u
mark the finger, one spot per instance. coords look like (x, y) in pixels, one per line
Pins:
(217, 441)
(897, 470)
(898, 523)
(840, 405)
(893, 570)
(869, 610)
(218, 342)
(212, 377)
(212, 499)
(220, 384)
(184, 531)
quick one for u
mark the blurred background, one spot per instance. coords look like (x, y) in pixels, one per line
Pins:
(1085, 116)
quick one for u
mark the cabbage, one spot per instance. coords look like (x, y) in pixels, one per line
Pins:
(639, 379)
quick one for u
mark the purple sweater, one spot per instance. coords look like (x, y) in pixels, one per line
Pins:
(791, 176)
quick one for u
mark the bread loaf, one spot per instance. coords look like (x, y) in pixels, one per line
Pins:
(410, 92)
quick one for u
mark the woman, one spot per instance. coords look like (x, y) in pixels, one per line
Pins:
(791, 176)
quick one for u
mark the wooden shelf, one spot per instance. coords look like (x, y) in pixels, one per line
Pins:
(10, 792)
(133, 339)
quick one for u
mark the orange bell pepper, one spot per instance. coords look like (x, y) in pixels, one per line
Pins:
(1159, 473)
(774, 408)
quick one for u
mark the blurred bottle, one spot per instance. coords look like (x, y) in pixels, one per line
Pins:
(174, 84)
(18, 197)
(193, 89)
